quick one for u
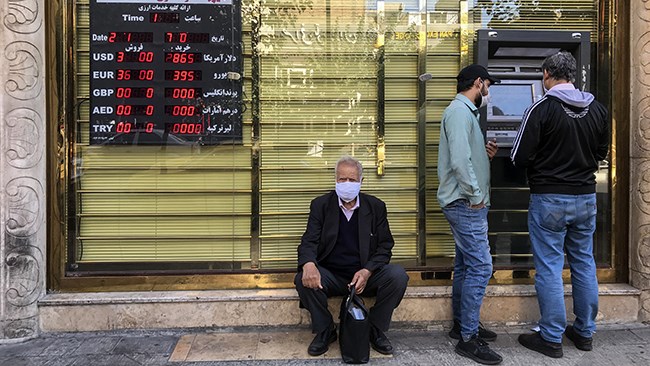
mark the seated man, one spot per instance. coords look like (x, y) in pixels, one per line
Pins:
(348, 242)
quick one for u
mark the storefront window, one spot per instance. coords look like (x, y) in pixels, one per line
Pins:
(321, 78)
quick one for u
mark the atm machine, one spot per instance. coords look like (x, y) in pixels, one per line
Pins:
(515, 57)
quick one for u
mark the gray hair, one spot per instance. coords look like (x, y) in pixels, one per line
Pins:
(349, 160)
(561, 66)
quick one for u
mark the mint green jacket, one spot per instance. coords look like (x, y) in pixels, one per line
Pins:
(463, 164)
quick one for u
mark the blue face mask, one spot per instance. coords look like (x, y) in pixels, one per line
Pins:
(348, 191)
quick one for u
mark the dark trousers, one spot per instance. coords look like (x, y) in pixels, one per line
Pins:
(388, 284)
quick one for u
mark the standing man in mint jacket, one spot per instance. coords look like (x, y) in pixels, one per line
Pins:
(561, 139)
(464, 195)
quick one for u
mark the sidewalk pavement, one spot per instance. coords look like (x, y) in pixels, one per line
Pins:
(613, 345)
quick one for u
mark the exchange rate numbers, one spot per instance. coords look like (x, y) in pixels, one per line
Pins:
(160, 68)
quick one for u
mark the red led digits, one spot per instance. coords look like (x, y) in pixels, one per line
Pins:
(186, 37)
(164, 18)
(183, 75)
(181, 110)
(183, 57)
(183, 93)
(137, 75)
(134, 110)
(127, 93)
(126, 37)
(128, 127)
(142, 57)
(184, 128)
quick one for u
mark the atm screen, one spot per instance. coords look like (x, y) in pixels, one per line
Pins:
(509, 100)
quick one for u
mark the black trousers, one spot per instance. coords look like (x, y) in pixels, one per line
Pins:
(388, 284)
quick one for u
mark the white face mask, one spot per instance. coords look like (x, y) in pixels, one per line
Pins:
(348, 191)
(485, 100)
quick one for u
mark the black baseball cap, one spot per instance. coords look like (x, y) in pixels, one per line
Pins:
(474, 71)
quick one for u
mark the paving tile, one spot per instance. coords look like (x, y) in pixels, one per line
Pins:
(223, 347)
(293, 345)
(146, 344)
(606, 356)
(405, 339)
(643, 333)
(32, 348)
(64, 360)
(616, 338)
(505, 340)
(153, 359)
(23, 361)
(182, 348)
(62, 346)
(106, 360)
(97, 345)
(285, 345)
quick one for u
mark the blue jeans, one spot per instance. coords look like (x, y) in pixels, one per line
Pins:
(473, 263)
(559, 223)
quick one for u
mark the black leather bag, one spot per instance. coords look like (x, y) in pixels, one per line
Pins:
(354, 333)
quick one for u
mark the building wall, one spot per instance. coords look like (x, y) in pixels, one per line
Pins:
(640, 152)
(22, 166)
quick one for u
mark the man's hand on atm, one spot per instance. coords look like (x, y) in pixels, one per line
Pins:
(491, 148)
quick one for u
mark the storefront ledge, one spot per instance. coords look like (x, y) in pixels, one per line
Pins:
(503, 305)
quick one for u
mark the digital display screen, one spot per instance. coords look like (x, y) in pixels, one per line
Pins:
(164, 18)
(165, 72)
(510, 100)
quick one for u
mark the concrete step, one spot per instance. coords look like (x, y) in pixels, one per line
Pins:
(98, 311)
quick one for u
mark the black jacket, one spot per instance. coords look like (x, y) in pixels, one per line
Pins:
(375, 238)
(561, 139)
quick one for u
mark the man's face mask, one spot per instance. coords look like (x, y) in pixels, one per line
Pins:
(484, 96)
(348, 191)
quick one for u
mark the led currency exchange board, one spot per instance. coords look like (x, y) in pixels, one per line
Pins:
(165, 72)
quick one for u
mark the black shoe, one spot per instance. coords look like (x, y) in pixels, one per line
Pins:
(322, 341)
(581, 343)
(380, 342)
(478, 350)
(487, 335)
(536, 343)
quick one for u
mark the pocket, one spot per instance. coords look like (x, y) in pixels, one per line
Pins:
(588, 220)
(551, 213)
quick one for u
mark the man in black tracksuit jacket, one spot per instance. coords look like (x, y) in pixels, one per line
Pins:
(561, 139)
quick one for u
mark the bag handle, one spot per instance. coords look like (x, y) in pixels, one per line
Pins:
(354, 298)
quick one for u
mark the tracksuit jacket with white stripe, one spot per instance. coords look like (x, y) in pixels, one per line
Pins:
(560, 141)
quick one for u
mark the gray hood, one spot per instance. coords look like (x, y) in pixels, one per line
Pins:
(573, 97)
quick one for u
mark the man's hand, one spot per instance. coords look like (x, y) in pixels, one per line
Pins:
(491, 148)
(311, 276)
(477, 206)
(359, 280)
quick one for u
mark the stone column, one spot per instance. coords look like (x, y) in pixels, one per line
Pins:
(640, 152)
(22, 167)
